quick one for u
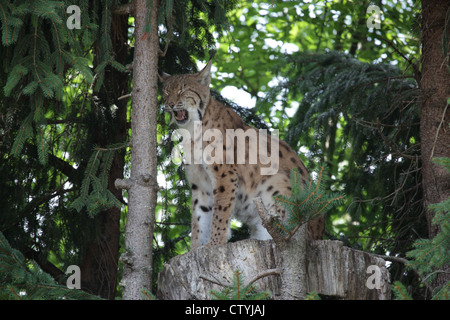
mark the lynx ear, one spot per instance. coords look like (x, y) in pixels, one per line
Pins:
(163, 76)
(204, 76)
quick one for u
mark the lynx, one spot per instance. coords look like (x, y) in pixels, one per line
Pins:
(225, 188)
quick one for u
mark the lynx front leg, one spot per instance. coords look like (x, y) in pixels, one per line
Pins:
(224, 202)
(201, 219)
(202, 203)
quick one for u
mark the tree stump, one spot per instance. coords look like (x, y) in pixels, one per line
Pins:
(332, 270)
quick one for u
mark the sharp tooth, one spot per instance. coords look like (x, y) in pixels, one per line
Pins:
(180, 114)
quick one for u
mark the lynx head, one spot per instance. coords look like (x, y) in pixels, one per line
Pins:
(186, 96)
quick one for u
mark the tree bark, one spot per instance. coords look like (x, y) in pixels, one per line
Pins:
(142, 185)
(331, 270)
(434, 121)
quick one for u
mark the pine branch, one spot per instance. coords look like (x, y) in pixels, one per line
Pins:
(239, 291)
(400, 291)
(22, 279)
(94, 193)
(25, 132)
(305, 204)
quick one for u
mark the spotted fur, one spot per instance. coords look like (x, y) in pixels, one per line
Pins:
(221, 191)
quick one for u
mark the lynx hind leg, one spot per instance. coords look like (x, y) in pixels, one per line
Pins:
(257, 230)
(316, 228)
(267, 191)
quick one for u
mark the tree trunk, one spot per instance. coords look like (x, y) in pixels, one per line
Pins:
(99, 268)
(289, 268)
(142, 186)
(331, 270)
(434, 121)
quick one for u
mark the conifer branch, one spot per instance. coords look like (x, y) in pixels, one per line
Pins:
(25, 280)
(125, 184)
(305, 204)
(239, 291)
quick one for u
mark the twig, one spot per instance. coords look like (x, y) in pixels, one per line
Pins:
(123, 184)
(124, 96)
(405, 263)
(145, 180)
(86, 93)
(391, 144)
(412, 64)
(266, 273)
(394, 259)
(163, 53)
(114, 148)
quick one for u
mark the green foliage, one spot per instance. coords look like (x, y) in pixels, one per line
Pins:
(312, 296)
(25, 132)
(147, 295)
(24, 280)
(361, 120)
(306, 203)
(430, 256)
(94, 194)
(239, 291)
(36, 61)
(400, 291)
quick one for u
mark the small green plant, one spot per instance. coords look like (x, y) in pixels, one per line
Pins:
(306, 203)
(147, 295)
(313, 296)
(239, 291)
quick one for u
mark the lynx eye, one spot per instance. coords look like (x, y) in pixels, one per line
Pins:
(164, 91)
(182, 89)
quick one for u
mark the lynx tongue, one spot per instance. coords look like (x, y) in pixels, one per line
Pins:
(180, 115)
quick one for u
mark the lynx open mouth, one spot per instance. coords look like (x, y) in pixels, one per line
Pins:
(181, 115)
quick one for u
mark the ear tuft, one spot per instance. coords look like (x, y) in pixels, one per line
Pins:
(204, 76)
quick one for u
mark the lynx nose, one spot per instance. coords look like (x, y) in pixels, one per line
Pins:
(169, 106)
